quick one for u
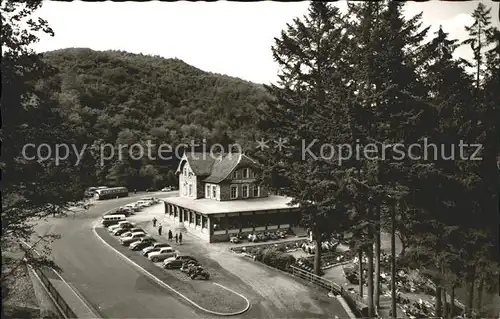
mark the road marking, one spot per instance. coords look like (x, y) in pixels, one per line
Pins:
(169, 287)
(63, 280)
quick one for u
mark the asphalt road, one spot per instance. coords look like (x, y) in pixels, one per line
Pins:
(113, 287)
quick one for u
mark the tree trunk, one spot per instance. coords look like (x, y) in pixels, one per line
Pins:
(360, 257)
(445, 304)
(393, 262)
(479, 299)
(452, 301)
(470, 295)
(439, 305)
(376, 292)
(369, 254)
(317, 254)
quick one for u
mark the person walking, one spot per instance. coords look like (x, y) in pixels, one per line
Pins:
(180, 238)
(154, 221)
(176, 238)
(170, 235)
(159, 230)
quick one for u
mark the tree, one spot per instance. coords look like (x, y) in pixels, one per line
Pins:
(387, 109)
(33, 188)
(310, 56)
(480, 32)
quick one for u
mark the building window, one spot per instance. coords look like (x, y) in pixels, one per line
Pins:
(235, 175)
(246, 173)
(184, 189)
(234, 191)
(214, 191)
(207, 190)
(244, 191)
(185, 171)
(218, 193)
(256, 191)
(190, 190)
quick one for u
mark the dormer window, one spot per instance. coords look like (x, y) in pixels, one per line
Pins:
(235, 175)
(246, 173)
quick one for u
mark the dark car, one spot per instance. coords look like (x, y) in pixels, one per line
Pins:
(142, 243)
(125, 211)
(120, 231)
(176, 263)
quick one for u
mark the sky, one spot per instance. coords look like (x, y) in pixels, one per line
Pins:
(221, 37)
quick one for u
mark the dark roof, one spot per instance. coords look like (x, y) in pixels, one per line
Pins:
(200, 163)
(216, 167)
(223, 166)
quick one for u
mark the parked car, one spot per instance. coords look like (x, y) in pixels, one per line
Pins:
(125, 241)
(177, 261)
(134, 207)
(166, 189)
(127, 211)
(150, 199)
(124, 224)
(154, 247)
(120, 231)
(162, 254)
(142, 243)
(126, 234)
(144, 203)
(137, 229)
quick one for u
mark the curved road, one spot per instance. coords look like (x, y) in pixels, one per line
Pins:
(113, 287)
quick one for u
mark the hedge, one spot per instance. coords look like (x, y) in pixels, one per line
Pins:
(274, 257)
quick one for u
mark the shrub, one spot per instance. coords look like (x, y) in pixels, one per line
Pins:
(270, 256)
(284, 261)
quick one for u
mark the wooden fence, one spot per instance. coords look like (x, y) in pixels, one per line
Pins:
(354, 301)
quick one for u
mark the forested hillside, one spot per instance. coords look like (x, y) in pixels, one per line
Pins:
(122, 98)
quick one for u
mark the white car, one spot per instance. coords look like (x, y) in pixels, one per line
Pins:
(162, 254)
(151, 200)
(154, 247)
(125, 241)
(131, 206)
(112, 228)
(143, 203)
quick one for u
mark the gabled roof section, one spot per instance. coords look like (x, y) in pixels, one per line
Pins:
(200, 163)
(226, 164)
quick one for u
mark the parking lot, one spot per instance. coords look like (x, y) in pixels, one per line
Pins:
(204, 293)
(270, 292)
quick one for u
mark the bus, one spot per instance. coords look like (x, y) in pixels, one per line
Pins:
(113, 192)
